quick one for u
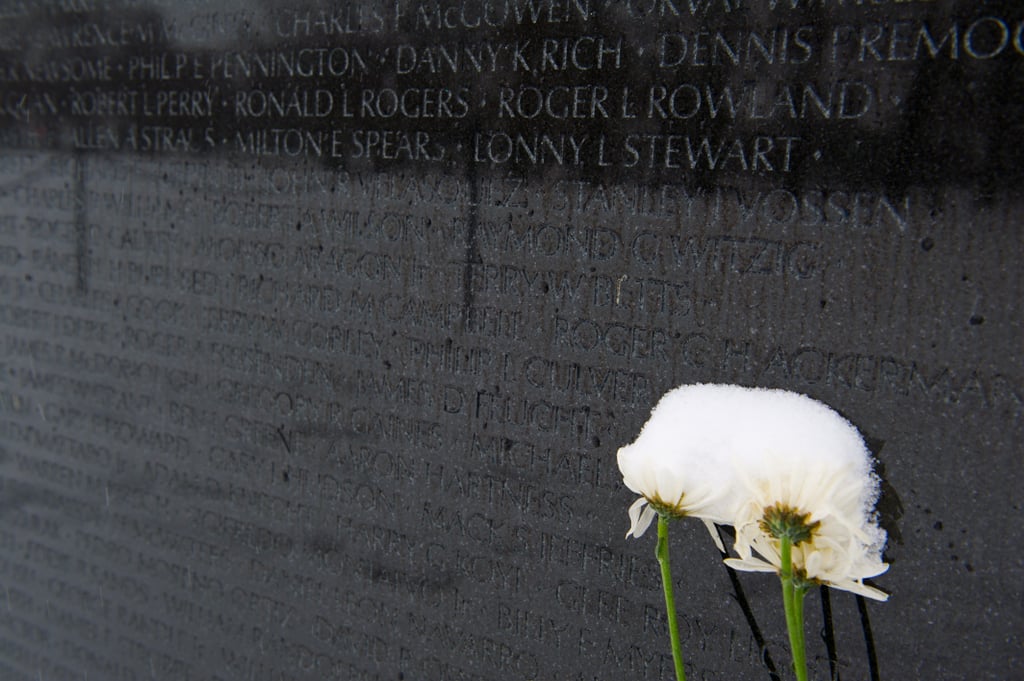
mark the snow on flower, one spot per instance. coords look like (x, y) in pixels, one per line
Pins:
(675, 464)
(766, 462)
(805, 469)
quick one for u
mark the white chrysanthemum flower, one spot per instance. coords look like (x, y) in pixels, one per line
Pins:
(832, 556)
(676, 464)
(729, 454)
(805, 471)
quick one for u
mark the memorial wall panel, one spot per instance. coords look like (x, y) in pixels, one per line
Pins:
(322, 322)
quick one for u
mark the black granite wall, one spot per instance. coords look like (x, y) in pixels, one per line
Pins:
(321, 324)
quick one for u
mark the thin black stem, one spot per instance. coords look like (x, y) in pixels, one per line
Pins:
(748, 614)
(869, 640)
(829, 634)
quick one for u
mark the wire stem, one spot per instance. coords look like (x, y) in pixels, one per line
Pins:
(670, 602)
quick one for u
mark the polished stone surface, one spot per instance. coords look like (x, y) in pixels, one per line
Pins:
(322, 324)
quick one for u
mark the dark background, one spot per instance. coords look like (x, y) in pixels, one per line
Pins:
(282, 411)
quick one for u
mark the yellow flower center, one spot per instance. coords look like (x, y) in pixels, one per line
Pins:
(782, 520)
(665, 508)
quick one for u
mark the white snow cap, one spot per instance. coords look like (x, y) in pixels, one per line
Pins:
(676, 461)
(725, 453)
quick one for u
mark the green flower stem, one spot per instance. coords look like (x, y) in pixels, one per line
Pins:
(793, 603)
(798, 607)
(670, 602)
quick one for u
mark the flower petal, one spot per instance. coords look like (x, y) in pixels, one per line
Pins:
(639, 518)
(634, 515)
(645, 521)
(861, 589)
(750, 565)
(713, 531)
